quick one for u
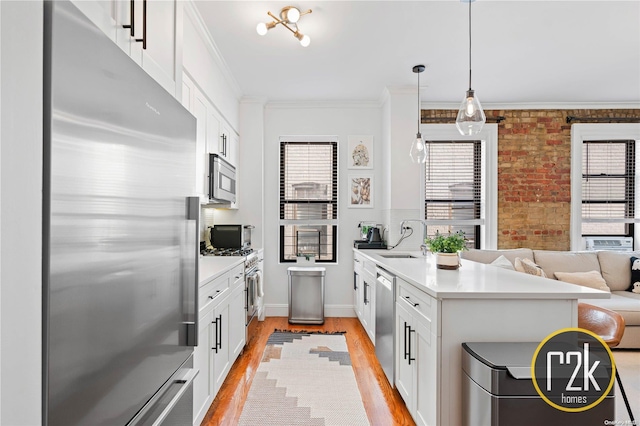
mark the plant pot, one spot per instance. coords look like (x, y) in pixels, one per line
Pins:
(447, 261)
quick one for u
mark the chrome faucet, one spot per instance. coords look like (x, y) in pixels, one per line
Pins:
(403, 227)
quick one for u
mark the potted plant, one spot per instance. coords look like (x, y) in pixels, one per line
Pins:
(447, 249)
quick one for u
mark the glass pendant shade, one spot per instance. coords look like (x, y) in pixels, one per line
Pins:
(470, 117)
(418, 150)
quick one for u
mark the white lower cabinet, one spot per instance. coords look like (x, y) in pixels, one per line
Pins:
(364, 282)
(221, 336)
(237, 319)
(203, 388)
(368, 319)
(220, 347)
(416, 353)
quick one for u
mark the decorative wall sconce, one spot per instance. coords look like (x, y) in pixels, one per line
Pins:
(289, 17)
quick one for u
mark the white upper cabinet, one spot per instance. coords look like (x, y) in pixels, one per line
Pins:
(146, 30)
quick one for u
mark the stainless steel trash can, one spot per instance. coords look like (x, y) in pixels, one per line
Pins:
(497, 390)
(306, 295)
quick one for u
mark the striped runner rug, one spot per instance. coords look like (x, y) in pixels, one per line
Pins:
(304, 379)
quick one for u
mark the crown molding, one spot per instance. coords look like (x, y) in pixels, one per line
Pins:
(321, 104)
(193, 12)
(261, 100)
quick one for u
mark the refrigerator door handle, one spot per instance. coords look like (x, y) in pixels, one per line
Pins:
(191, 324)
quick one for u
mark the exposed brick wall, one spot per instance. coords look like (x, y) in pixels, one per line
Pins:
(534, 173)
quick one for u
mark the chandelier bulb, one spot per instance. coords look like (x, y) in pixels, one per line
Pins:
(261, 28)
(305, 40)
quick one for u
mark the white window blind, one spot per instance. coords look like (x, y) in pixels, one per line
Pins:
(308, 200)
(608, 187)
(453, 188)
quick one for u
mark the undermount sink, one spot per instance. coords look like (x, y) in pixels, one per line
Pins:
(399, 256)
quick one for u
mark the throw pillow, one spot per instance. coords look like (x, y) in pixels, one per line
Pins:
(503, 262)
(635, 275)
(591, 279)
(528, 266)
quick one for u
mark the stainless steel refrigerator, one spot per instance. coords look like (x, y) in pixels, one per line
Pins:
(120, 235)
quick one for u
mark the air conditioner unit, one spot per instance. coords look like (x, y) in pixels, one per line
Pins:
(609, 243)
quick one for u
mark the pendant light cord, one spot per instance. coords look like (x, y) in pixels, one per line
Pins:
(419, 112)
(470, 44)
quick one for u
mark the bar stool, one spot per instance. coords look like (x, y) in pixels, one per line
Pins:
(609, 325)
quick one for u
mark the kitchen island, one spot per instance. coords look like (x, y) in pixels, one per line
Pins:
(438, 310)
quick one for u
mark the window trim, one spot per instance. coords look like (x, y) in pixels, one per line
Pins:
(489, 197)
(600, 131)
(328, 222)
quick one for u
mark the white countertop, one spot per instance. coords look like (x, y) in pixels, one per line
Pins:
(475, 280)
(212, 267)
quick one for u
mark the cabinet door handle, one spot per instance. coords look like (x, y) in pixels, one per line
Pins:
(410, 331)
(366, 293)
(144, 25)
(405, 339)
(355, 281)
(131, 26)
(215, 344)
(409, 300)
(219, 342)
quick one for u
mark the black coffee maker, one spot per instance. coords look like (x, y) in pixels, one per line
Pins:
(372, 237)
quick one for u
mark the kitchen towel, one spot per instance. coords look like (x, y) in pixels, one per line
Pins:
(259, 284)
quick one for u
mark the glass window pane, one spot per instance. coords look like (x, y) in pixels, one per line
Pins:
(308, 239)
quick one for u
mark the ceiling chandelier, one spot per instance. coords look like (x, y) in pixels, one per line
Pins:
(289, 17)
(418, 150)
(470, 117)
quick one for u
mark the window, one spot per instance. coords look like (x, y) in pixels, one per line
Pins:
(608, 187)
(460, 183)
(453, 188)
(308, 200)
(607, 203)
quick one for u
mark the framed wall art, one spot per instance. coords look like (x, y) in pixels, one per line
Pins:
(360, 151)
(361, 191)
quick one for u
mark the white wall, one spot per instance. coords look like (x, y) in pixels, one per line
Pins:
(21, 35)
(318, 119)
(404, 200)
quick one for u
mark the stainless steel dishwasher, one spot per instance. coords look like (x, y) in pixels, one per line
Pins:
(385, 322)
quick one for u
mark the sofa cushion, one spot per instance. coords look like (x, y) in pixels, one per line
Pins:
(503, 262)
(634, 284)
(615, 268)
(488, 256)
(566, 261)
(625, 303)
(529, 267)
(591, 279)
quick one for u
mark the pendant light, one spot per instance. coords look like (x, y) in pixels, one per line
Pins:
(470, 117)
(418, 150)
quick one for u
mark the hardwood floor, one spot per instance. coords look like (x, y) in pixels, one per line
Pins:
(383, 404)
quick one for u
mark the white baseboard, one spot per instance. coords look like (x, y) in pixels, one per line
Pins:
(282, 310)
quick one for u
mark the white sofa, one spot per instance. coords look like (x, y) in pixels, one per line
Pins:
(615, 268)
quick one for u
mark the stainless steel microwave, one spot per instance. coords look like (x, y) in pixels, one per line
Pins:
(222, 180)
